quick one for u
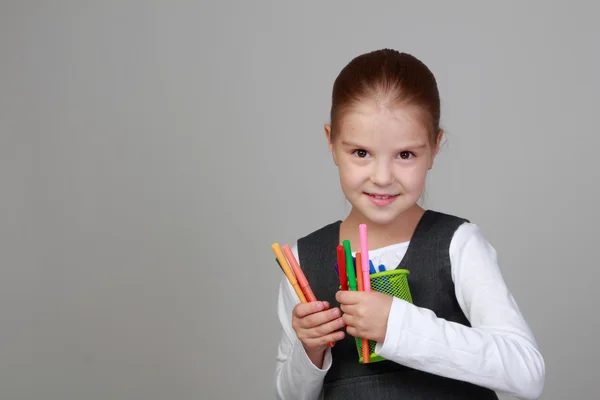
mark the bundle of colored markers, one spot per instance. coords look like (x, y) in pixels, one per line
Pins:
(285, 258)
(350, 278)
(359, 278)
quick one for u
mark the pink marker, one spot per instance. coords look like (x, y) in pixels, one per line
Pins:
(364, 257)
(364, 253)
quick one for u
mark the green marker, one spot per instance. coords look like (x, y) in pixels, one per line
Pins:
(349, 266)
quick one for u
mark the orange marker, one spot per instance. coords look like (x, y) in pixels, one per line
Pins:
(288, 271)
(310, 296)
(359, 281)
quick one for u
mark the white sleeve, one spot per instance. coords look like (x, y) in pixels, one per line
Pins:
(296, 377)
(498, 351)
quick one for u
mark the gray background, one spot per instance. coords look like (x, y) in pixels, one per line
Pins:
(151, 153)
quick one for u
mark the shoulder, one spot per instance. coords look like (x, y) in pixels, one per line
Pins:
(465, 234)
(442, 218)
(317, 243)
(328, 229)
(468, 236)
(471, 253)
(324, 234)
(438, 228)
(467, 239)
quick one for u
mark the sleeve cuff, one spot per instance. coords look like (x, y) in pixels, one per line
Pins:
(394, 332)
(307, 364)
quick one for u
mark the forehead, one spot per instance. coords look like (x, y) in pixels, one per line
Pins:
(383, 124)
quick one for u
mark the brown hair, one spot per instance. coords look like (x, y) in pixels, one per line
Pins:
(386, 76)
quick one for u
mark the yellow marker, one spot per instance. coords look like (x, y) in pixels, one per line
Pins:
(287, 270)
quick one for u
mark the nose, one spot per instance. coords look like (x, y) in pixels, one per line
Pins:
(382, 174)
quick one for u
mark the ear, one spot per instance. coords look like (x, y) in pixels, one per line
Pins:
(438, 143)
(330, 143)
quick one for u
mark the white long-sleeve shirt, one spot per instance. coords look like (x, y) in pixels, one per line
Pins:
(498, 351)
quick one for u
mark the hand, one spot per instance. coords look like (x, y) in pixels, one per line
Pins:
(315, 325)
(365, 313)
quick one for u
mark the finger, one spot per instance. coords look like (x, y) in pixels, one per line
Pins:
(325, 340)
(326, 328)
(301, 310)
(334, 337)
(349, 320)
(348, 309)
(352, 331)
(317, 319)
(348, 297)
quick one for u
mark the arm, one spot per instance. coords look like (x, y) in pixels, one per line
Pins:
(296, 377)
(498, 352)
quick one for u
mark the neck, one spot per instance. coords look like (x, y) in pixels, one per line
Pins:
(381, 235)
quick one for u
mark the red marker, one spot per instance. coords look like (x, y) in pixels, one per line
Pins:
(341, 258)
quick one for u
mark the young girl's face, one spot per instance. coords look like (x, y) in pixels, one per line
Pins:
(383, 155)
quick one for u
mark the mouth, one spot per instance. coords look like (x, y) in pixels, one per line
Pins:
(381, 196)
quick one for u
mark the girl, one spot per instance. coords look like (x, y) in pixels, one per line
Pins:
(464, 336)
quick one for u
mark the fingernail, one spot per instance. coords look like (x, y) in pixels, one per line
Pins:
(319, 306)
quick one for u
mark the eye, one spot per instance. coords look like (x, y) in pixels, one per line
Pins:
(405, 155)
(360, 153)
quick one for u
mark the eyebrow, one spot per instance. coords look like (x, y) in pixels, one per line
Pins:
(408, 146)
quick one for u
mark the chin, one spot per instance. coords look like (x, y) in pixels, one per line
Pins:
(381, 218)
(383, 215)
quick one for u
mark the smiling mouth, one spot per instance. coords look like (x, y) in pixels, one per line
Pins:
(381, 196)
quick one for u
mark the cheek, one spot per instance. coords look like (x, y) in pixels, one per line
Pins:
(412, 179)
(351, 176)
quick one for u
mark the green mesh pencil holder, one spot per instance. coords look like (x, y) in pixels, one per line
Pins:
(393, 283)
